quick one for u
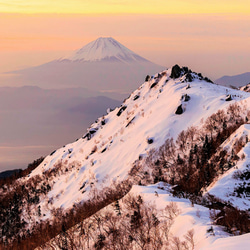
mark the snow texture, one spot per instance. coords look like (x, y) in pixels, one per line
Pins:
(115, 141)
(105, 48)
(107, 151)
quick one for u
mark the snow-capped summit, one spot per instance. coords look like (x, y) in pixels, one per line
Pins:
(144, 121)
(99, 65)
(105, 49)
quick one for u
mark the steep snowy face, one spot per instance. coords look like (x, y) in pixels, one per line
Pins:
(164, 105)
(105, 49)
(144, 121)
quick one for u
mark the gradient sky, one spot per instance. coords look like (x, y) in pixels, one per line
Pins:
(125, 6)
(210, 36)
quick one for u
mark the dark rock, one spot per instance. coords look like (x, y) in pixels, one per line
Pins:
(228, 98)
(52, 152)
(200, 75)
(121, 110)
(188, 86)
(87, 135)
(150, 140)
(147, 78)
(93, 130)
(208, 80)
(154, 84)
(185, 98)
(103, 150)
(179, 110)
(189, 77)
(185, 69)
(130, 122)
(140, 157)
(136, 97)
(103, 122)
(176, 71)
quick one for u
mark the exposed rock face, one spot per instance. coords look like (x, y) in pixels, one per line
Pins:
(150, 140)
(189, 77)
(228, 98)
(186, 98)
(154, 84)
(147, 78)
(136, 97)
(208, 80)
(176, 71)
(179, 110)
(121, 110)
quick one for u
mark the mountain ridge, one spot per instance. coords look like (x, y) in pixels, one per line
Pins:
(123, 119)
(237, 81)
(167, 130)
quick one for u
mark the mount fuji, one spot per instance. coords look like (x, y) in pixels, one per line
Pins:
(99, 65)
(105, 49)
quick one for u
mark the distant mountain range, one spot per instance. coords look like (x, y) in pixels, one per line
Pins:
(34, 121)
(9, 173)
(235, 81)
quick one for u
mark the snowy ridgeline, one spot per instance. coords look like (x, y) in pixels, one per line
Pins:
(117, 143)
(143, 122)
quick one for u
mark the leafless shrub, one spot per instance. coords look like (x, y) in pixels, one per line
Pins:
(139, 225)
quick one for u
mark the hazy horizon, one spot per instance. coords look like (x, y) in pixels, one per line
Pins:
(214, 44)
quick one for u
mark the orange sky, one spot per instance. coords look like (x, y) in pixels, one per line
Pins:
(125, 6)
(31, 33)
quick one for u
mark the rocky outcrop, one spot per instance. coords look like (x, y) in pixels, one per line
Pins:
(176, 71)
(179, 110)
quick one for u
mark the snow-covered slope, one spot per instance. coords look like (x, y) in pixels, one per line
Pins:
(163, 106)
(186, 218)
(115, 141)
(105, 49)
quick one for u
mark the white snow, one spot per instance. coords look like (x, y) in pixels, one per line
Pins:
(118, 142)
(104, 48)
(190, 217)
(230, 243)
(124, 137)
